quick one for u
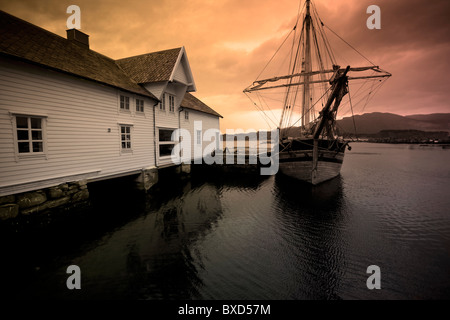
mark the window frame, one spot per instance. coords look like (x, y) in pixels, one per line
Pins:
(162, 104)
(171, 102)
(186, 115)
(140, 105)
(43, 130)
(198, 137)
(166, 142)
(130, 140)
(125, 102)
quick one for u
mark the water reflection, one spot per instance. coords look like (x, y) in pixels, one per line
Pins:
(323, 197)
(228, 179)
(153, 254)
(235, 236)
(311, 218)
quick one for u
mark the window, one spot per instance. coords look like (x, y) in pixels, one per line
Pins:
(199, 137)
(217, 141)
(30, 134)
(166, 144)
(165, 150)
(124, 103)
(139, 105)
(165, 135)
(162, 104)
(186, 115)
(125, 137)
(171, 103)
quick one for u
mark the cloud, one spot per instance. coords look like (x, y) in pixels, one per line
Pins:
(228, 42)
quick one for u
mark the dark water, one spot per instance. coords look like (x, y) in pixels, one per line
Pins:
(242, 237)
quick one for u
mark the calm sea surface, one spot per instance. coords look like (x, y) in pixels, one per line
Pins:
(243, 237)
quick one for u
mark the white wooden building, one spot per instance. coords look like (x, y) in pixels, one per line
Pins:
(167, 75)
(68, 113)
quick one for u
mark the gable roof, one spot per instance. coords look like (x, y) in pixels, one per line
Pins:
(191, 102)
(23, 40)
(158, 66)
(151, 67)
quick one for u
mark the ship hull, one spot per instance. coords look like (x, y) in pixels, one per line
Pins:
(298, 163)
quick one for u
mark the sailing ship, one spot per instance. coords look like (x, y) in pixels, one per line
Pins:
(310, 93)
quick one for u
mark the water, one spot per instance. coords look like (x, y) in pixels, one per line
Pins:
(240, 237)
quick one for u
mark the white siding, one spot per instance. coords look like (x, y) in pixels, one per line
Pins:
(156, 88)
(180, 74)
(208, 121)
(79, 115)
(167, 119)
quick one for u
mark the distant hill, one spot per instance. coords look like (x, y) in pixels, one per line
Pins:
(442, 119)
(372, 123)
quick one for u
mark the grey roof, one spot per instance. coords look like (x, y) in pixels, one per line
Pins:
(151, 67)
(191, 102)
(23, 40)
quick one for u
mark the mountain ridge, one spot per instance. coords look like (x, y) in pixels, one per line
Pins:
(374, 122)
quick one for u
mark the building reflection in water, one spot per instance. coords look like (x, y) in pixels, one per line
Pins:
(151, 256)
(164, 261)
(226, 236)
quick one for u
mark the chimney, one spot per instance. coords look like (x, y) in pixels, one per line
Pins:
(78, 37)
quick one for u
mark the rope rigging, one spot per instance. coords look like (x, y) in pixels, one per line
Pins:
(311, 59)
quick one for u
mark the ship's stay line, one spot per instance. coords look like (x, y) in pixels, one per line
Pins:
(312, 31)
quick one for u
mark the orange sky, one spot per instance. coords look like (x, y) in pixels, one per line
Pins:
(228, 42)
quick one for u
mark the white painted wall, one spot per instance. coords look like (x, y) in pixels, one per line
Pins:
(208, 121)
(167, 119)
(156, 88)
(174, 120)
(180, 73)
(79, 114)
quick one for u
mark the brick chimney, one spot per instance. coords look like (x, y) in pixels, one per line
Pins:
(78, 37)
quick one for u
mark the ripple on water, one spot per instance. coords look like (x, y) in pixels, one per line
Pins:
(261, 238)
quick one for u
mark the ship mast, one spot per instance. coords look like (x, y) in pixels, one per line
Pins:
(301, 80)
(306, 99)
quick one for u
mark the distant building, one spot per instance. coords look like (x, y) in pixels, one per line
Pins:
(68, 113)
